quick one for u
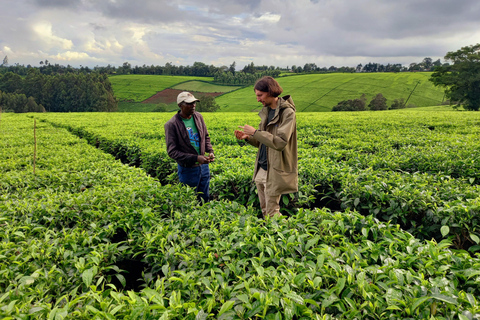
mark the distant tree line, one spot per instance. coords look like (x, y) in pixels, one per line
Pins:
(426, 65)
(18, 103)
(70, 92)
(224, 74)
(379, 102)
(249, 74)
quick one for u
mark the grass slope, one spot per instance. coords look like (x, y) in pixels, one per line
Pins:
(137, 88)
(320, 92)
(203, 86)
(311, 93)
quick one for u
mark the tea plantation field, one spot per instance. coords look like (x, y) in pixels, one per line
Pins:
(311, 92)
(93, 224)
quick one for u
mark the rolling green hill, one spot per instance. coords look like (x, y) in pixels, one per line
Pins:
(321, 92)
(137, 88)
(203, 86)
(311, 93)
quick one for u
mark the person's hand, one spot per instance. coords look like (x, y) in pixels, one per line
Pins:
(203, 159)
(249, 130)
(240, 135)
(211, 156)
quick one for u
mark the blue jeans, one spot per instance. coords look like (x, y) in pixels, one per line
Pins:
(198, 178)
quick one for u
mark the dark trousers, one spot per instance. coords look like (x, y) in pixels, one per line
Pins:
(198, 178)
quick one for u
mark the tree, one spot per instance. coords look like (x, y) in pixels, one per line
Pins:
(249, 68)
(379, 102)
(232, 68)
(31, 105)
(437, 63)
(461, 79)
(398, 104)
(11, 82)
(427, 63)
(207, 104)
(5, 61)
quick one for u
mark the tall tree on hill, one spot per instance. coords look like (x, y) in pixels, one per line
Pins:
(232, 68)
(461, 79)
(427, 63)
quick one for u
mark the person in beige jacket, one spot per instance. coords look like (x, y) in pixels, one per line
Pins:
(276, 166)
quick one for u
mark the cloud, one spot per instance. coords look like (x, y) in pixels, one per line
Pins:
(266, 32)
(44, 33)
(72, 56)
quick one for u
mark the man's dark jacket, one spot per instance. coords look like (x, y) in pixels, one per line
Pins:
(179, 147)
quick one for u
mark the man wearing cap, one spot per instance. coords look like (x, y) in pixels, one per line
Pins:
(188, 143)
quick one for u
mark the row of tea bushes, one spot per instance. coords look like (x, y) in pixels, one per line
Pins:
(64, 255)
(67, 223)
(404, 141)
(417, 169)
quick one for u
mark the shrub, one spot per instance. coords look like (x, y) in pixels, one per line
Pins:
(207, 104)
(162, 107)
(378, 103)
(398, 104)
(352, 105)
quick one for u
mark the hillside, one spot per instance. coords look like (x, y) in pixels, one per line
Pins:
(311, 93)
(320, 92)
(137, 88)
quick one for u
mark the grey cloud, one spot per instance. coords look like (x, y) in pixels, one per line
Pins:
(57, 3)
(398, 19)
(144, 11)
(235, 30)
(376, 28)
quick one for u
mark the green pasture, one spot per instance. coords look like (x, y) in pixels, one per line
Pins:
(140, 87)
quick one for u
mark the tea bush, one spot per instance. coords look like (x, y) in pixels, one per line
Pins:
(87, 237)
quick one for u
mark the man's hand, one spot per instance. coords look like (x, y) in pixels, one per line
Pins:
(211, 156)
(203, 159)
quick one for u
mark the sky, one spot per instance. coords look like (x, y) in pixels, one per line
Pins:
(219, 32)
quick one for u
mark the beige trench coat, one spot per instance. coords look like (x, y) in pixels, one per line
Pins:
(280, 137)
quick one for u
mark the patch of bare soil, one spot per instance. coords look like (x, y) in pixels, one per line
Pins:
(168, 96)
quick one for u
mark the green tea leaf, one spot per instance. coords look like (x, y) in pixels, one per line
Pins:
(444, 298)
(393, 296)
(256, 308)
(475, 238)
(243, 298)
(340, 285)
(201, 315)
(122, 279)
(356, 202)
(87, 277)
(295, 298)
(226, 306)
(299, 279)
(445, 230)
(418, 302)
